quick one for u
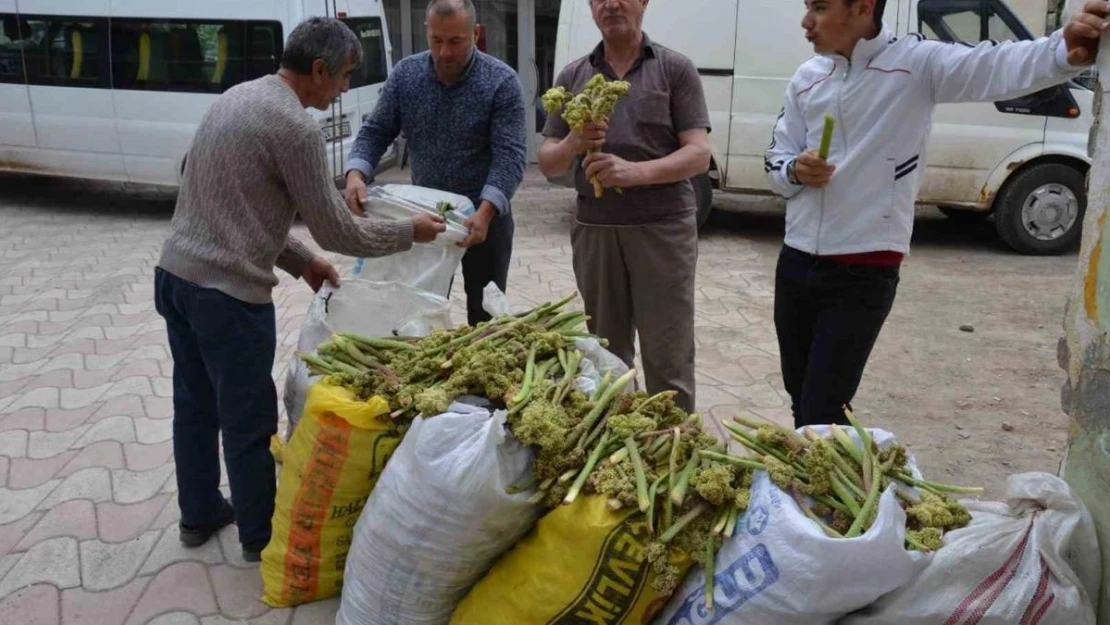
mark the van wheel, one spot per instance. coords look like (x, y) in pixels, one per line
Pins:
(703, 190)
(1040, 210)
(964, 216)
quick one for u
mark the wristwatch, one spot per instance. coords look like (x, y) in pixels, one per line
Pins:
(790, 175)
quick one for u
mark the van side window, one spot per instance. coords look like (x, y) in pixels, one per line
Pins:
(374, 67)
(66, 51)
(13, 36)
(969, 21)
(191, 56)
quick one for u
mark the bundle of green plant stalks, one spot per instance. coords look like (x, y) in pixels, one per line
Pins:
(425, 375)
(838, 482)
(640, 452)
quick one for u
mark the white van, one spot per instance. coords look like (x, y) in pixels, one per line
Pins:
(1023, 160)
(114, 89)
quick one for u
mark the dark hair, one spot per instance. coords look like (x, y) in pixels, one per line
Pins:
(880, 7)
(447, 8)
(324, 38)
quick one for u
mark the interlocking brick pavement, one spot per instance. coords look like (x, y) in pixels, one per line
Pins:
(88, 515)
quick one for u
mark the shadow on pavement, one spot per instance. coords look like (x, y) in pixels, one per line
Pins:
(93, 198)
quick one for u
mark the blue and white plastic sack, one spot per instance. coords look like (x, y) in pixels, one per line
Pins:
(426, 266)
(779, 568)
(1033, 560)
(437, 520)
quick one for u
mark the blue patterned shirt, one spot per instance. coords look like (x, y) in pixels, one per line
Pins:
(468, 138)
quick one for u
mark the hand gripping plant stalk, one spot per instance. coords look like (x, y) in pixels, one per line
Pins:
(593, 105)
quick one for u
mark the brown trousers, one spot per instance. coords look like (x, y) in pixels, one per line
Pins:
(640, 279)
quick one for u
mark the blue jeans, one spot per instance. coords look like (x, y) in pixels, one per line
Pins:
(827, 316)
(223, 353)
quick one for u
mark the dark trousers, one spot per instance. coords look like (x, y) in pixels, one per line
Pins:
(223, 353)
(827, 316)
(485, 263)
(640, 280)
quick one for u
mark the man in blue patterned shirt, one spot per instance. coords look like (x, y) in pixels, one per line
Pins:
(463, 113)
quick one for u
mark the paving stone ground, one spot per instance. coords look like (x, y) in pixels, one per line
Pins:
(88, 515)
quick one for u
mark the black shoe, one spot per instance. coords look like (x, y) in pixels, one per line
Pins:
(196, 536)
(252, 553)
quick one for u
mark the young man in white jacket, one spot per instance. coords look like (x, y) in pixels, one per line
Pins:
(849, 219)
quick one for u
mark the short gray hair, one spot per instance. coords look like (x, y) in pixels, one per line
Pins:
(324, 38)
(447, 8)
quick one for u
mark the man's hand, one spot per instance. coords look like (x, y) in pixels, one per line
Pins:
(356, 192)
(426, 227)
(1083, 32)
(614, 171)
(318, 271)
(592, 137)
(478, 225)
(812, 170)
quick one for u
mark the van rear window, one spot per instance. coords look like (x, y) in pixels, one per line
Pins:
(375, 68)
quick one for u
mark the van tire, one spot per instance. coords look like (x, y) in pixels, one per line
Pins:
(703, 191)
(1059, 187)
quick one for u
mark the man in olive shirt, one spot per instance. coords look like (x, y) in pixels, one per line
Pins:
(635, 252)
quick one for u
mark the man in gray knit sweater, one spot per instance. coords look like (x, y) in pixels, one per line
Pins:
(257, 160)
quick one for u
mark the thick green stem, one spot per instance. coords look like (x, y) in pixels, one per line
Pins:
(793, 439)
(580, 481)
(751, 443)
(377, 343)
(854, 485)
(721, 522)
(868, 506)
(869, 467)
(601, 388)
(653, 492)
(904, 476)
(602, 405)
(710, 571)
(743, 462)
(830, 532)
(733, 517)
(847, 444)
(682, 522)
(847, 498)
(641, 474)
(529, 373)
(678, 493)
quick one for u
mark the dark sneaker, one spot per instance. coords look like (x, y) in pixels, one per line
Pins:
(196, 536)
(252, 553)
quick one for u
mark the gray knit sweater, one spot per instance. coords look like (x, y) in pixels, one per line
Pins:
(258, 158)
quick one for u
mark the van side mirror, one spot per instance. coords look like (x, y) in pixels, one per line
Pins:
(1054, 101)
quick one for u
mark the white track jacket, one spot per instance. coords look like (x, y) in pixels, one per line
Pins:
(882, 100)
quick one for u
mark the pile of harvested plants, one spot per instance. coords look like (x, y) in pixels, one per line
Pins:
(641, 452)
(837, 482)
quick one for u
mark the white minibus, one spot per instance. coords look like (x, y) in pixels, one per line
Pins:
(114, 89)
(1025, 160)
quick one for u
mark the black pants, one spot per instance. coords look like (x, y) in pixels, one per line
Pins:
(223, 353)
(488, 262)
(827, 316)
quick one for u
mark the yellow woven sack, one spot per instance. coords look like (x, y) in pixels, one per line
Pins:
(329, 467)
(582, 565)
